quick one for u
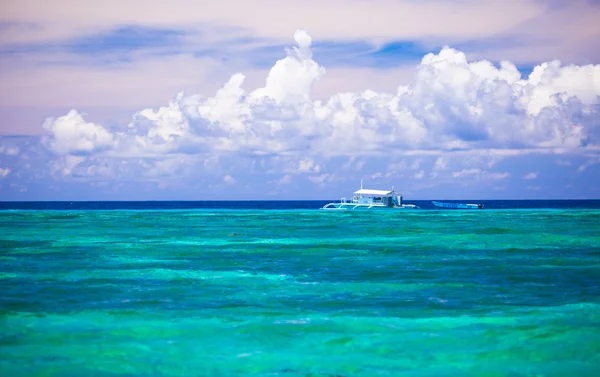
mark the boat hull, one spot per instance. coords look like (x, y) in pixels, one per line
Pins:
(457, 205)
(358, 206)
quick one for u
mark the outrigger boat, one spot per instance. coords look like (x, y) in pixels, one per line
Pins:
(371, 199)
(457, 205)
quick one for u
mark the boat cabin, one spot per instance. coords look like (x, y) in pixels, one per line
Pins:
(369, 198)
(375, 197)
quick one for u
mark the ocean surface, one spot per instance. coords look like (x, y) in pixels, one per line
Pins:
(284, 289)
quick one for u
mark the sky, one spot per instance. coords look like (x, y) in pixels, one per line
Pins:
(282, 100)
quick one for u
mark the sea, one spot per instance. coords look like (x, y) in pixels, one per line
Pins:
(281, 288)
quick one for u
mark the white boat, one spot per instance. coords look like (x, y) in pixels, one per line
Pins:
(371, 199)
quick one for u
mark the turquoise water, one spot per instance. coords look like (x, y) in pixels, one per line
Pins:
(300, 293)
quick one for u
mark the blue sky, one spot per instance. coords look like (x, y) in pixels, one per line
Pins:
(185, 103)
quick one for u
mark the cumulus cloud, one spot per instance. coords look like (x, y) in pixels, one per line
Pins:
(530, 176)
(474, 110)
(452, 104)
(4, 172)
(71, 134)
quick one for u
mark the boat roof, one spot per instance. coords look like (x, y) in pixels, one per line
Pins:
(373, 192)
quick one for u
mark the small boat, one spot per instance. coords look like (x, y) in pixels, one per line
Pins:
(371, 199)
(457, 205)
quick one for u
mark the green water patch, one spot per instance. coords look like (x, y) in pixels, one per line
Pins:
(11, 244)
(310, 345)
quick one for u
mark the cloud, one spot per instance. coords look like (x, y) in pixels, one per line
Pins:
(538, 38)
(65, 166)
(466, 172)
(453, 104)
(33, 22)
(440, 164)
(72, 135)
(497, 175)
(319, 179)
(155, 52)
(126, 38)
(588, 163)
(4, 172)
(480, 174)
(416, 164)
(458, 117)
(530, 176)
(285, 180)
(531, 22)
(9, 150)
(229, 179)
(308, 165)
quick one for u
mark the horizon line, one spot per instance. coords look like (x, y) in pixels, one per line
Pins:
(268, 200)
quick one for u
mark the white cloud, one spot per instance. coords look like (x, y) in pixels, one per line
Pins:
(64, 165)
(9, 150)
(19, 188)
(480, 174)
(72, 135)
(358, 79)
(319, 179)
(4, 172)
(285, 180)
(228, 179)
(475, 110)
(416, 164)
(147, 78)
(397, 166)
(530, 176)
(588, 163)
(308, 166)
(440, 164)
(466, 172)
(497, 175)
(291, 80)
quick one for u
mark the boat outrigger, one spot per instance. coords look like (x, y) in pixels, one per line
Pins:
(371, 199)
(457, 205)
